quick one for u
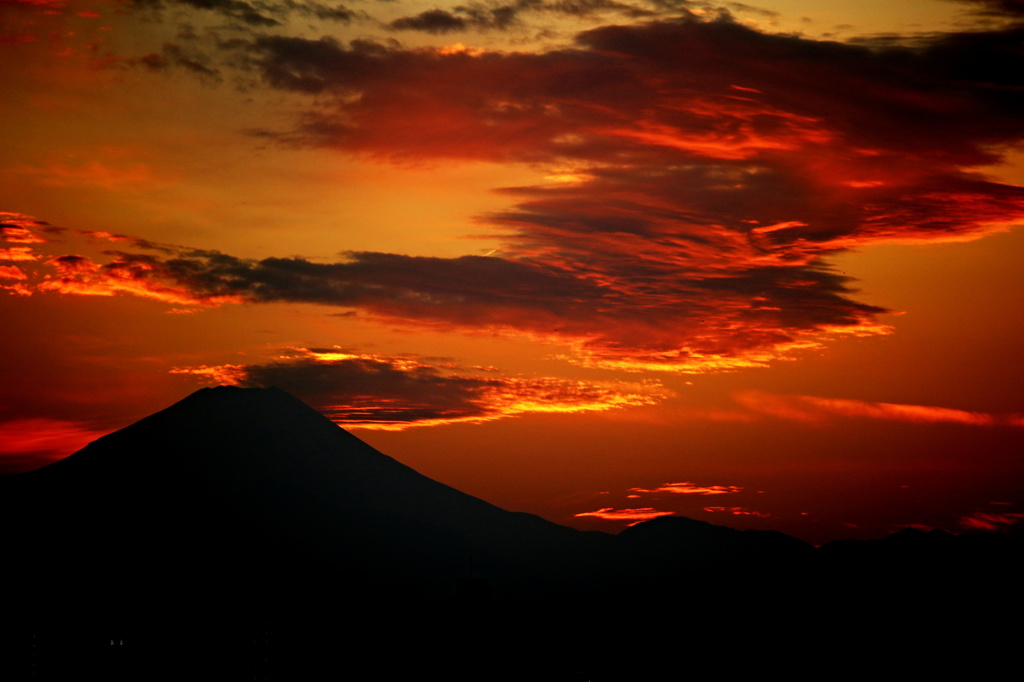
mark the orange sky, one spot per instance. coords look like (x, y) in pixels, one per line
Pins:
(590, 259)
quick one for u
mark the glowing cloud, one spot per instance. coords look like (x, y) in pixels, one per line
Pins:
(737, 511)
(634, 515)
(369, 391)
(12, 272)
(687, 488)
(681, 488)
(17, 253)
(216, 374)
(130, 274)
(17, 228)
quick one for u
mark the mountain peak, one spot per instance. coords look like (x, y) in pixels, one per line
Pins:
(213, 429)
(227, 397)
(225, 390)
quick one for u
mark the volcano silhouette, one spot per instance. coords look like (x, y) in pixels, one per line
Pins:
(243, 487)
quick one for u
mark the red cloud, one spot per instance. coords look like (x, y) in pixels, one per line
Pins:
(703, 176)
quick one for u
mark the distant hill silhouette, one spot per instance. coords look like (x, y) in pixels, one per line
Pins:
(241, 531)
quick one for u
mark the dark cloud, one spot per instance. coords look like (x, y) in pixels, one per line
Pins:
(374, 391)
(589, 7)
(319, 10)
(1005, 8)
(432, 21)
(627, 91)
(252, 14)
(174, 55)
(613, 314)
(924, 102)
(989, 61)
(317, 65)
(260, 14)
(502, 16)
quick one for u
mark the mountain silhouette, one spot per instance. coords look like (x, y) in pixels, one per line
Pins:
(242, 532)
(232, 482)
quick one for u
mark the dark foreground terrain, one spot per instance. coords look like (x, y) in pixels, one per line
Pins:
(241, 535)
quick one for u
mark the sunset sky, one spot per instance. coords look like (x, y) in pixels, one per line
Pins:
(599, 260)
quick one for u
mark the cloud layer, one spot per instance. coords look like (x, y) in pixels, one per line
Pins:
(702, 175)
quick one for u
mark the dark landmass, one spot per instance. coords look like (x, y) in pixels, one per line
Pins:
(239, 534)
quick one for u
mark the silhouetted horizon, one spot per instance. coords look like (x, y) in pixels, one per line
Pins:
(246, 508)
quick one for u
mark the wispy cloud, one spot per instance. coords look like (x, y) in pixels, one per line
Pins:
(813, 408)
(991, 521)
(116, 177)
(25, 444)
